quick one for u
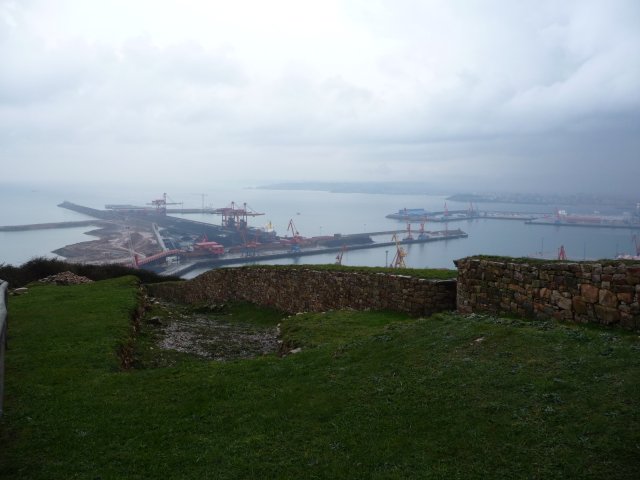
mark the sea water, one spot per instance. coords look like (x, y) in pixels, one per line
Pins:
(312, 213)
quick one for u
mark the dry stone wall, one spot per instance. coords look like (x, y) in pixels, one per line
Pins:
(300, 289)
(599, 292)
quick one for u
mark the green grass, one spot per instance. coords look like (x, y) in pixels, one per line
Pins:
(371, 395)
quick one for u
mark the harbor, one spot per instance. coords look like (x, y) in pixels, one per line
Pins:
(110, 236)
(150, 237)
(628, 220)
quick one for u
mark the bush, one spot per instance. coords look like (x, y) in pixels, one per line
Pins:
(42, 267)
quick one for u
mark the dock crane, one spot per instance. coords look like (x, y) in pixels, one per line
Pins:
(161, 204)
(398, 258)
(409, 237)
(636, 242)
(340, 255)
(562, 255)
(296, 238)
(234, 216)
(422, 235)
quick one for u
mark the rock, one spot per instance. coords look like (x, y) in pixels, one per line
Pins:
(154, 321)
(579, 306)
(564, 303)
(625, 297)
(607, 315)
(296, 350)
(66, 278)
(589, 293)
(608, 299)
(20, 290)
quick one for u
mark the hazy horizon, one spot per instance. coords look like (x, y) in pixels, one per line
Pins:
(464, 96)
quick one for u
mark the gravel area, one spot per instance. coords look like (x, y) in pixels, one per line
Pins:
(215, 336)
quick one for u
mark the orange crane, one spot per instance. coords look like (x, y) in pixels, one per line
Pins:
(398, 258)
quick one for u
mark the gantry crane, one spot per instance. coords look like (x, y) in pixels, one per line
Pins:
(234, 216)
(161, 204)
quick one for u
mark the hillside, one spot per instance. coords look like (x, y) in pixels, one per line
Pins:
(370, 395)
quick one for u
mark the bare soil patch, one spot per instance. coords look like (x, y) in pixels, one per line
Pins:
(116, 243)
(212, 333)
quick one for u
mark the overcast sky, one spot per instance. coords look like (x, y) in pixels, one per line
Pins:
(485, 95)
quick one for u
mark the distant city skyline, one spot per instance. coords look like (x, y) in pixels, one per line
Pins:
(530, 96)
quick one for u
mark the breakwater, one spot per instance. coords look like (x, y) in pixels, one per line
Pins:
(52, 225)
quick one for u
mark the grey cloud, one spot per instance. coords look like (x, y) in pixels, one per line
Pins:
(529, 89)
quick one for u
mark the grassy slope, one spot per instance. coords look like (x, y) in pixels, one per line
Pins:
(372, 395)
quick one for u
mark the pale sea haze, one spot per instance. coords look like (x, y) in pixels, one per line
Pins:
(314, 213)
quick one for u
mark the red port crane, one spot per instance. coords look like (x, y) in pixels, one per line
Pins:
(295, 235)
(562, 255)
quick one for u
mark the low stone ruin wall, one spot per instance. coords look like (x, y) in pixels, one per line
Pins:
(605, 292)
(304, 289)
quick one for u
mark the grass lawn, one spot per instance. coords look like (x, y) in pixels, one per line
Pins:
(371, 395)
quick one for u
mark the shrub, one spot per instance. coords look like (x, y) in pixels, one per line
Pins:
(42, 267)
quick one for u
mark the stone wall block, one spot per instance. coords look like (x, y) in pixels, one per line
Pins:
(564, 303)
(607, 315)
(608, 298)
(579, 306)
(625, 297)
(606, 292)
(589, 293)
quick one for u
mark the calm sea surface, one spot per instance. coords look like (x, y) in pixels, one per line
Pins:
(314, 213)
